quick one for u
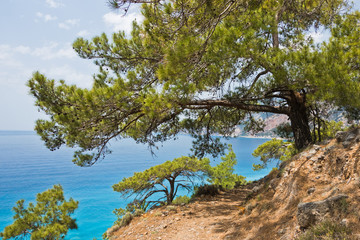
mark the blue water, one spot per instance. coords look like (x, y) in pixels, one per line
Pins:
(27, 168)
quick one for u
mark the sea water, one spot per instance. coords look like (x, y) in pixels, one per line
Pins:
(27, 167)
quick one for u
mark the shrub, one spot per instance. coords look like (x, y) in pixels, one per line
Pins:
(222, 174)
(126, 219)
(327, 230)
(171, 208)
(181, 200)
(138, 212)
(133, 209)
(207, 190)
(274, 149)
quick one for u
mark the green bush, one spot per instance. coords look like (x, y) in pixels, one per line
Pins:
(133, 209)
(138, 212)
(207, 190)
(222, 174)
(327, 230)
(274, 149)
(126, 219)
(181, 200)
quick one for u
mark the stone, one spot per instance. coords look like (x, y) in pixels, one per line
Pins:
(257, 188)
(310, 213)
(347, 138)
(281, 231)
(340, 136)
(311, 190)
(310, 153)
(344, 222)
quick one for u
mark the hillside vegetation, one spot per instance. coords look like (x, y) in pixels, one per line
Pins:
(314, 195)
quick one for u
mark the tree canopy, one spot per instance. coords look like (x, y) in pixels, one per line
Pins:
(165, 179)
(48, 219)
(203, 67)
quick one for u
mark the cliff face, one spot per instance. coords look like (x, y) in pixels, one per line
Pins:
(320, 183)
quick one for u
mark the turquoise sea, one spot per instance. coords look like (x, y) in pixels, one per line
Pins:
(27, 167)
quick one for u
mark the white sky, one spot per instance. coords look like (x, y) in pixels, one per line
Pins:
(37, 35)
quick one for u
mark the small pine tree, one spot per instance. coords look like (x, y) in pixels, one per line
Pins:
(48, 219)
(163, 179)
(222, 174)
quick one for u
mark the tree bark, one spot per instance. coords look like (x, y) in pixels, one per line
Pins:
(171, 196)
(299, 120)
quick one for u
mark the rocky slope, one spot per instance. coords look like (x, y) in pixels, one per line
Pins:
(320, 183)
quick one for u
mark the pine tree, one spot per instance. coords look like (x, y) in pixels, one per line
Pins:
(203, 67)
(48, 219)
(164, 179)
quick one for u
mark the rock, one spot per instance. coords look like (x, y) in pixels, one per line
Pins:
(347, 138)
(313, 212)
(344, 222)
(311, 190)
(309, 153)
(329, 149)
(340, 136)
(257, 188)
(281, 231)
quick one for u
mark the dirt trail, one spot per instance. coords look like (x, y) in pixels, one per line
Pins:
(208, 218)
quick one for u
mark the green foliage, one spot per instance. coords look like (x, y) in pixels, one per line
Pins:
(181, 200)
(126, 219)
(165, 178)
(327, 230)
(274, 149)
(330, 128)
(133, 209)
(206, 190)
(203, 67)
(48, 219)
(284, 131)
(222, 174)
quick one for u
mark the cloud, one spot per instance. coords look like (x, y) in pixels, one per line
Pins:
(7, 58)
(45, 17)
(4, 51)
(83, 33)
(22, 49)
(54, 4)
(69, 23)
(120, 22)
(52, 50)
(70, 74)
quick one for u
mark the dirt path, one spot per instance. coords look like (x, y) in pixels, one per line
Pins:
(210, 218)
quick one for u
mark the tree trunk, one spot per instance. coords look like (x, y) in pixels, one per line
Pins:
(299, 120)
(171, 196)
